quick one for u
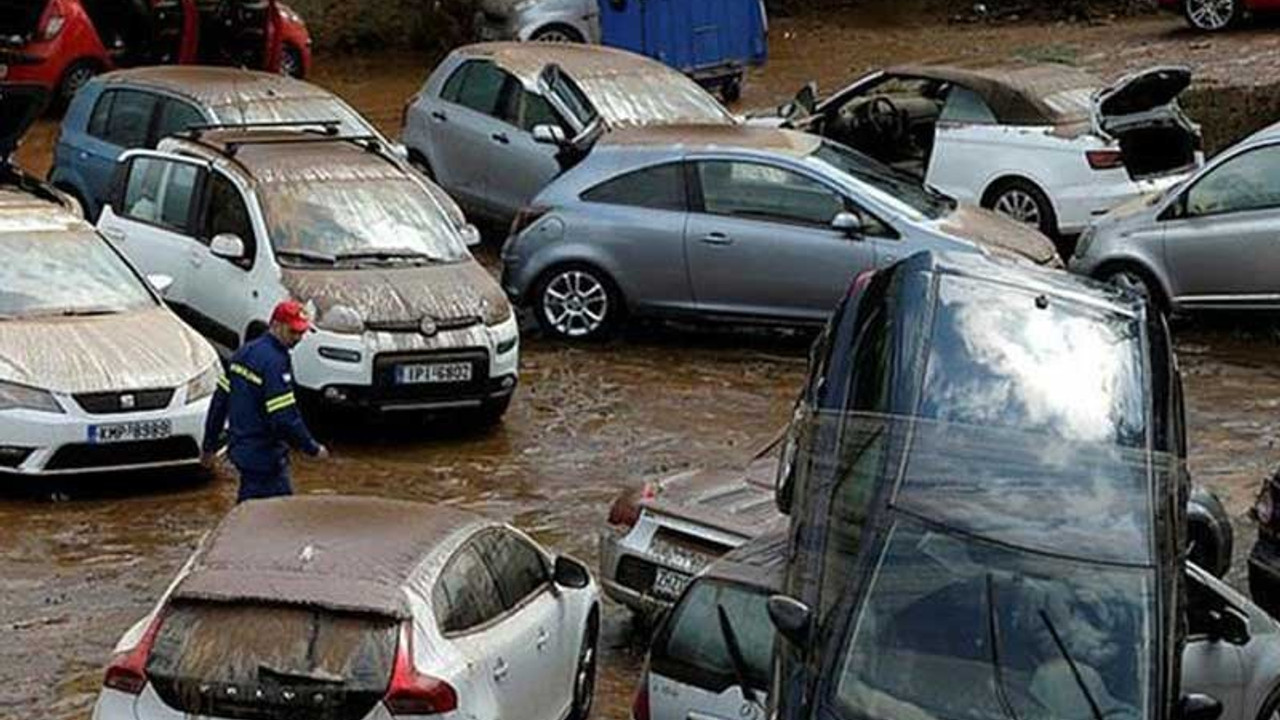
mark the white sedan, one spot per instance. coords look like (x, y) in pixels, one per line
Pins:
(346, 607)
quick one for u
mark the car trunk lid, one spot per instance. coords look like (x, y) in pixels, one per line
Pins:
(20, 105)
(1140, 112)
(733, 501)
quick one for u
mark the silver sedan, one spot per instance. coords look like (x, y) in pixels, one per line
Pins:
(735, 223)
(1208, 243)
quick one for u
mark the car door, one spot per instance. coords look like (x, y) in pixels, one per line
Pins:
(966, 135)
(1210, 664)
(465, 126)
(1222, 235)
(543, 658)
(759, 242)
(150, 218)
(471, 617)
(519, 167)
(121, 120)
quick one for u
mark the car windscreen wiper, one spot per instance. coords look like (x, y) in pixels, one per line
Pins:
(997, 667)
(1075, 669)
(312, 255)
(388, 255)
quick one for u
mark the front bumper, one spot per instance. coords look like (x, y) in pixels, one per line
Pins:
(42, 444)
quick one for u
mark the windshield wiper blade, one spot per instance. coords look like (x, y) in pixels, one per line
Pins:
(388, 255)
(997, 667)
(1075, 669)
(307, 255)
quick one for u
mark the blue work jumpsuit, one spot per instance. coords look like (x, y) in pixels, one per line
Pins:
(255, 401)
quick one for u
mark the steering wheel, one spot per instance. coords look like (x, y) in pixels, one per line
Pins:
(885, 119)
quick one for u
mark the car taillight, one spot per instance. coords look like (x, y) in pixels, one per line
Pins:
(526, 217)
(411, 692)
(1105, 159)
(640, 706)
(128, 670)
(625, 511)
(53, 23)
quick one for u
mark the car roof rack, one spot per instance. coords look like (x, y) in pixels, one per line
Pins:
(328, 127)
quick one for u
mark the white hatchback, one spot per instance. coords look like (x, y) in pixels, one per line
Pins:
(362, 608)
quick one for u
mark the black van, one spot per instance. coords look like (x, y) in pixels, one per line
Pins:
(988, 497)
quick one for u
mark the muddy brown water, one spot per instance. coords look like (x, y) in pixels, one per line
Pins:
(80, 563)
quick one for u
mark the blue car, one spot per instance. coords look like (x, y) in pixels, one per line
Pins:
(135, 108)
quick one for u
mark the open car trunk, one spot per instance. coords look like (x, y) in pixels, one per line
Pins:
(19, 20)
(1141, 113)
(268, 662)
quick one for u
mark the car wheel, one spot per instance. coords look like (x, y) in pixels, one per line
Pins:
(557, 34)
(491, 412)
(74, 78)
(1022, 201)
(1212, 15)
(577, 302)
(584, 678)
(1137, 282)
(291, 62)
(1271, 706)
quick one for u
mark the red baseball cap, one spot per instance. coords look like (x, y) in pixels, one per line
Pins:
(291, 313)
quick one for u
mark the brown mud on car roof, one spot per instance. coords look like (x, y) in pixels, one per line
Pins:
(217, 87)
(338, 553)
(1019, 93)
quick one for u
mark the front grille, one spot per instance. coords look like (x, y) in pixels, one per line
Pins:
(385, 388)
(83, 456)
(108, 403)
(636, 574)
(415, 326)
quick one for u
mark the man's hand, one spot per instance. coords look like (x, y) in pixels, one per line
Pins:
(322, 453)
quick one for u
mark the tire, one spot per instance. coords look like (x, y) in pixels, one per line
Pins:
(1138, 282)
(291, 62)
(491, 412)
(557, 34)
(731, 90)
(76, 76)
(1021, 200)
(1271, 706)
(577, 302)
(584, 676)
(1212, 15)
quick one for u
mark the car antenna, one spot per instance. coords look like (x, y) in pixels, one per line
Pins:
(1075, 669)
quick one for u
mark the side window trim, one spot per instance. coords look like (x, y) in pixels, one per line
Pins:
(469, 545)
(1183, 202)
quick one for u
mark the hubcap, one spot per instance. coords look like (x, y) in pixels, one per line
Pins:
(1210, 14)
(1020, 206)
(575, 303)
(555, 36)
(289, 65)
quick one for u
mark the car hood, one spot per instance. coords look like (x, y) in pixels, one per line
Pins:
(135, 350)
(453, 292)
(20, 105)
(1142, 91)
(998, 234)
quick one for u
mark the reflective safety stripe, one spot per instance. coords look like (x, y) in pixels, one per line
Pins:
(224, 384)
(280, 402)
(246, 373)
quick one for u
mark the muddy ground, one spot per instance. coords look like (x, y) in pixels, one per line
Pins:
(79, 564)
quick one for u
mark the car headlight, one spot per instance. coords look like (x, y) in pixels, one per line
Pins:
(22, 397)
(342, 319)
(202, 386)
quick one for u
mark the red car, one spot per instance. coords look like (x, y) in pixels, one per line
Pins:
(60, 44)
(1214, 15)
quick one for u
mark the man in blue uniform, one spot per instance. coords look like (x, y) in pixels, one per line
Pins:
(256, 396)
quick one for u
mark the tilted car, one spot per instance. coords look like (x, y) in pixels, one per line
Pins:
(561, 21)
(734, 223)
(1048, 145)
(244, 217)
(138, 108)
(97, 375)
(346, 607)
(1207, 243)
(986, 484)
(495, 122)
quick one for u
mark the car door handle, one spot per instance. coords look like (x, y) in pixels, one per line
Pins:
(716, 238)
(500, 670)
(113, 234)
(543, 637)
(439, 116)
(500, 138)
(82, 155)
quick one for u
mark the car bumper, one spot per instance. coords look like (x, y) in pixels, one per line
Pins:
(1080, 205)
(42, 444)
(360, 370)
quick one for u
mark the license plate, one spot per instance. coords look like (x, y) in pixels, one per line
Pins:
(433, 373)
(127, 431)
(669, 583)
(678, 557)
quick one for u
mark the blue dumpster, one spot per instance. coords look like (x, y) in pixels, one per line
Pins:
(713, 41)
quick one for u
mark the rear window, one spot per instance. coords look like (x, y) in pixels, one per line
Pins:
(693, 650)
(258, 661)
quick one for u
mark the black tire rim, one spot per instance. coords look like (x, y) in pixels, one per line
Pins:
(584, 682)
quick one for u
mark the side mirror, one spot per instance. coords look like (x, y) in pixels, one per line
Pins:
(847, 223)
(161, 283)
(399, 150)
(792, 618)
(570, 573)
(807, 98)
(549, 135)
(227, 246)
(471, 235)
(1199, 707)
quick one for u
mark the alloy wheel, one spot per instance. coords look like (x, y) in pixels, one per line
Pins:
(584, 681)
(1019, 205)
(575, 303)
(1211, 14)
(555, 35)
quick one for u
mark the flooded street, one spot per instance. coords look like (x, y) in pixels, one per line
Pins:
(80, 564)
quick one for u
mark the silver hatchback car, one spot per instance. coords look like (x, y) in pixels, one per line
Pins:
(1208, 243)
(736, 223)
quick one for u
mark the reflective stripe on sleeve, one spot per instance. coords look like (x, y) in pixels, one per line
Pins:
(246, 373)
(280, 402)
(224, 384)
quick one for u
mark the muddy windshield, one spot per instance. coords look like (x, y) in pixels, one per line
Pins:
(296, 109)
(65, 273)
(355, 222)
(889, 186)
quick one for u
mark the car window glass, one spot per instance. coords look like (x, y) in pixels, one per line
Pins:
(226, 212)
(695, 638)
(159, 192)
(753, 190)
(850, 504)
(1250, 181)
(518, 566)
(660, 188)
(537, 111)
(466, 595)
(454, 84)
(176, 116)
(966, 106)
(129, 119)
(483, 88)
(101, 113)
(1202, 604)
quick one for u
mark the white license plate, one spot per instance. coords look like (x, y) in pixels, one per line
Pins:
(669, 583)
(127, 431)
(676, 556)
(433, 373)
